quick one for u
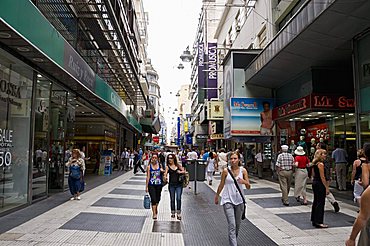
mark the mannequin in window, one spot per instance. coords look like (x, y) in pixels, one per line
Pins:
(292, 146)
(313, 146)
(302, 143)
(267, 123)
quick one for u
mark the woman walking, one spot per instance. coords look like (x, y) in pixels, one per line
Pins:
(232, 198)
(175, 184)
(154, 183)
(301, 175)
(211, 167)
(320, 189)
(76, 167)
(356, 179)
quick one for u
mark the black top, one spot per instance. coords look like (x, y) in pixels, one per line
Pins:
(359, 170)
(174, 176)
(316, 176)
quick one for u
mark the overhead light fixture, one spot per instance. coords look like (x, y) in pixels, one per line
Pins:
(23, 49)
(290, 119)
(39, 75)
(186, 55)
(351, 114)
(92, 113)
(5, 35)
(297, 118)
(180, 66)
(310, 115)
(328, 115)
(336, 117)
(319, 112)
(307, 118)
(38, 59)
(82, 112)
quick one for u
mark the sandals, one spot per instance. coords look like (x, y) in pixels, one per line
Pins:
(155, 217)
(304, 203)
(172, 216)
(179, 216)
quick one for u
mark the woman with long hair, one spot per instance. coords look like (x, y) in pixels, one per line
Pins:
(76, 166)
(175, 171)
(320, 189)
(232, 198)
(154, 183)
(211, 166)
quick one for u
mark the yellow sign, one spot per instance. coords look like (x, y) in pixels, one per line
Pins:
(215, 110)
(216, 136)
(186, 126)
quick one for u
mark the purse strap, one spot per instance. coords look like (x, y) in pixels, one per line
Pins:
(236, 184)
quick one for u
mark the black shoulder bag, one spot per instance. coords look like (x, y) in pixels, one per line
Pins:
(240, 192)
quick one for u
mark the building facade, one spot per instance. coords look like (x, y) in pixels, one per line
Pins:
(72, 82)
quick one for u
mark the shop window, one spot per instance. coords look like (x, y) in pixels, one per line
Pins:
(15, 109)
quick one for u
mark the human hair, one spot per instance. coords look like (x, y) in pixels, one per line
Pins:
(173, 157)
(361, 153)
(318, 156)
(234, 153)
(222, 150)
(266, 103)
(77, 152)
(366, 149)
(210, 155)
(322, 146)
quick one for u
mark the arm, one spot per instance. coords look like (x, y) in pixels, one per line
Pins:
(362, 218)
(221, 185)
(354, 167)
(322, 176)
(147, 178)
(165, 172)
(365, 176)
(245, 179)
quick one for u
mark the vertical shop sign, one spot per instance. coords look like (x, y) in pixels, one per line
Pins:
(201, 73)
(228, 93)
(6, 144)
(212, 71)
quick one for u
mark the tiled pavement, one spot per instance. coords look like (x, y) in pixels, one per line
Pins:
(113, 214)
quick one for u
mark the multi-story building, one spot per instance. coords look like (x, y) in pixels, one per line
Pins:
(204, 74)
(69, 78)
(310, 58)
(183, 112)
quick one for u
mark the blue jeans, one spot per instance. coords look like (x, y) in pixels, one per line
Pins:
(175, 193)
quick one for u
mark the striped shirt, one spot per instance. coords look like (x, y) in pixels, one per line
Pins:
(285, 161)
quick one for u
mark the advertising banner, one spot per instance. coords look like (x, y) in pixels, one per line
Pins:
(251, 116)
(215, 110)
(201, 73)
(318, 131)
(212, 71)
(228, 93)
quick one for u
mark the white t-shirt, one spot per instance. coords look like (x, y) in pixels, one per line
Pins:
(222, 157)
(82, 155)
(192, 155)
(259, 157)
(211, 165)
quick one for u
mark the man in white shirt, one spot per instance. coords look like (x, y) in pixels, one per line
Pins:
(192, 155)
(259, 163)
(222, 160)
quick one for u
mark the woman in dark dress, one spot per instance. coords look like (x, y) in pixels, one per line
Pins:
(320, 189)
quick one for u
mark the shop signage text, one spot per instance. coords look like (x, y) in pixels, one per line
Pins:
(291, 108)
(212, 71)
(6, 142)
(216, 136)
(202, 136)
(78, 67)
(12, 90)
(215, 110)
(332, 102)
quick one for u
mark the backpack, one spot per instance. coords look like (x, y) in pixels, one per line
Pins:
(75, 172)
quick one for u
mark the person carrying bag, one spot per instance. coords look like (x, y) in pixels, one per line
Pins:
(232, 198)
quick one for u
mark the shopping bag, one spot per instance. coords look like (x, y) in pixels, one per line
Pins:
(147, 201)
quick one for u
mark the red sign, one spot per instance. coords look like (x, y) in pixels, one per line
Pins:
(156, 139)
(318, 131)
(333, 102)
(315, 102)
(292, 107)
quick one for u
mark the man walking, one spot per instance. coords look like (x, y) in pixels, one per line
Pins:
(259, 163)
(340, 158)
(284, 168)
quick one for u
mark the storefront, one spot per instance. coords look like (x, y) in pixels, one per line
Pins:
(362, 75)
(317, 118)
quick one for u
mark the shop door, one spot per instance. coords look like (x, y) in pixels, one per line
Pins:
(58, 113)
(41, 138)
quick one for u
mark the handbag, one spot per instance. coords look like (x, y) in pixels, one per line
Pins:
(184, 179)
(241, 194)
(75, 172)
(146, 201)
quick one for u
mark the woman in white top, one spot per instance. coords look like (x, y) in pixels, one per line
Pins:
(211, 166)
(131, 159)
(231, 199)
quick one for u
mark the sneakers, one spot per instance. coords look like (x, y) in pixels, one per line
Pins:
(336, 207)
(72, 198)
(78, 198)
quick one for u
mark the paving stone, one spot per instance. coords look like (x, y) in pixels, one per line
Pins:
(303, 220)
(205, 223)
(118, 203)
(258, 191)
(167, 226)
(135, 182)
(274, 202)
(105, 223)
(128, 192)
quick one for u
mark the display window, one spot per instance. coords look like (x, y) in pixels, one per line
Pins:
(15, 118)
